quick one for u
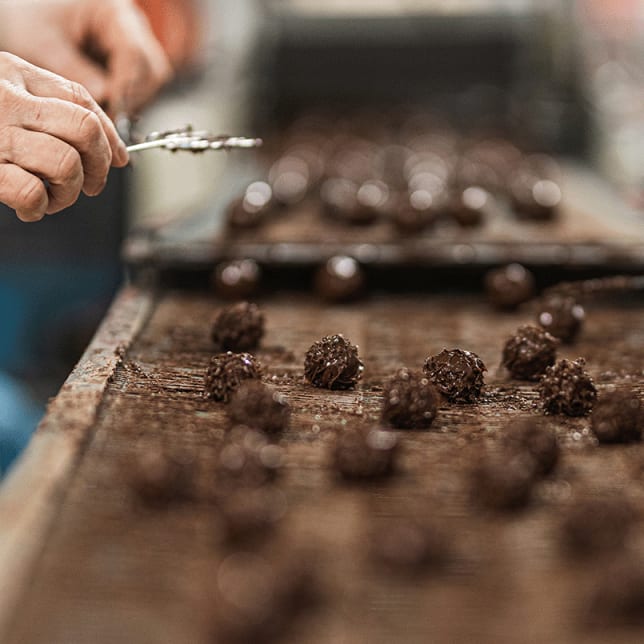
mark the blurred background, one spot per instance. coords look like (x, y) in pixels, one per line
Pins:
(561, 76)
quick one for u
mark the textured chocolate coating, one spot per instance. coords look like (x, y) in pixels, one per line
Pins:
(410, 401)
(340, 279)
(618, 417)
(158, 479)
(333, 363)
(527, 353)
(592, 526)
(456, 373)
(566, 388)
(532, 436)
(503, 481)
(255, 405)
(237, 279)
(509, 286)
(362, 454)
(238, 327)
(562, 317)
(226, 372)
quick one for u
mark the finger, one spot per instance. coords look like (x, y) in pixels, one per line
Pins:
(23, 192)
(49, 158)
(44, 84)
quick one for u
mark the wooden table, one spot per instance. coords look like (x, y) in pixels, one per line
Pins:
(83, 562)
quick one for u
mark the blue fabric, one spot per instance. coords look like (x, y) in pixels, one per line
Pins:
(19, 416)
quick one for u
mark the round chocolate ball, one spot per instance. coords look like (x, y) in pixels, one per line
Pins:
(410, 400)
(246, 460)
(252, 208)
(530, 435)
(416, 210)
(255, 405)
(364, 454)
(226, 371)
(534, 197)
(290, 179)
(236, 279)
(333, 363)
(509, 286)
(592, 526)
(340, 279)
(618, 417)
(456, 373)
(467, 207)
(238, 327)
(527, 353)
(503, 480)
(562, 317)
(566, 388)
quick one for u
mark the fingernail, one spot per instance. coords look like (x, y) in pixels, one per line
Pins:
(123, 154)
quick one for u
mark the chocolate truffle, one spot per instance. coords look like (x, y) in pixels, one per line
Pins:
(226, 372)
(158, 479)
(467, 207)
(503, 480)
(597, 525)
(340, 279)
(362, 454)
(238, 327)
(333, 363)
(255, 405)
(416, 210)
(246, 460)
(532, 436)
(410, 401)
(456, 373)
(618, 598)
(527, 353)
(509, 286)
(534, 197)
(566, 388)
(250, 514)
(236, 279)
(409, 546)
(252, 208)
(562, 317)
(618, 417)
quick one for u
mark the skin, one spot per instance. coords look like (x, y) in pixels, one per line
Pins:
(106, 45)
(52, 129)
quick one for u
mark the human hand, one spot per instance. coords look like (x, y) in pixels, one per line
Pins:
(50, 129)
(105, 45)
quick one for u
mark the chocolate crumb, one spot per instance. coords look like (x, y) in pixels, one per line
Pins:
(592, 526)
(456, 373)
(527, 353)
(566, 388)
(618, 417)
(532, 436)
(333, 363)
(509, 286)
(238, 327)
(410, 401)
(364, 454)
(227, 371)
(562, 317)
(257, 406)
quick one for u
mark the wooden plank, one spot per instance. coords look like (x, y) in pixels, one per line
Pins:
(31, 495)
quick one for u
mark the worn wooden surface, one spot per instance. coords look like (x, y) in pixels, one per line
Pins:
(98, 568)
